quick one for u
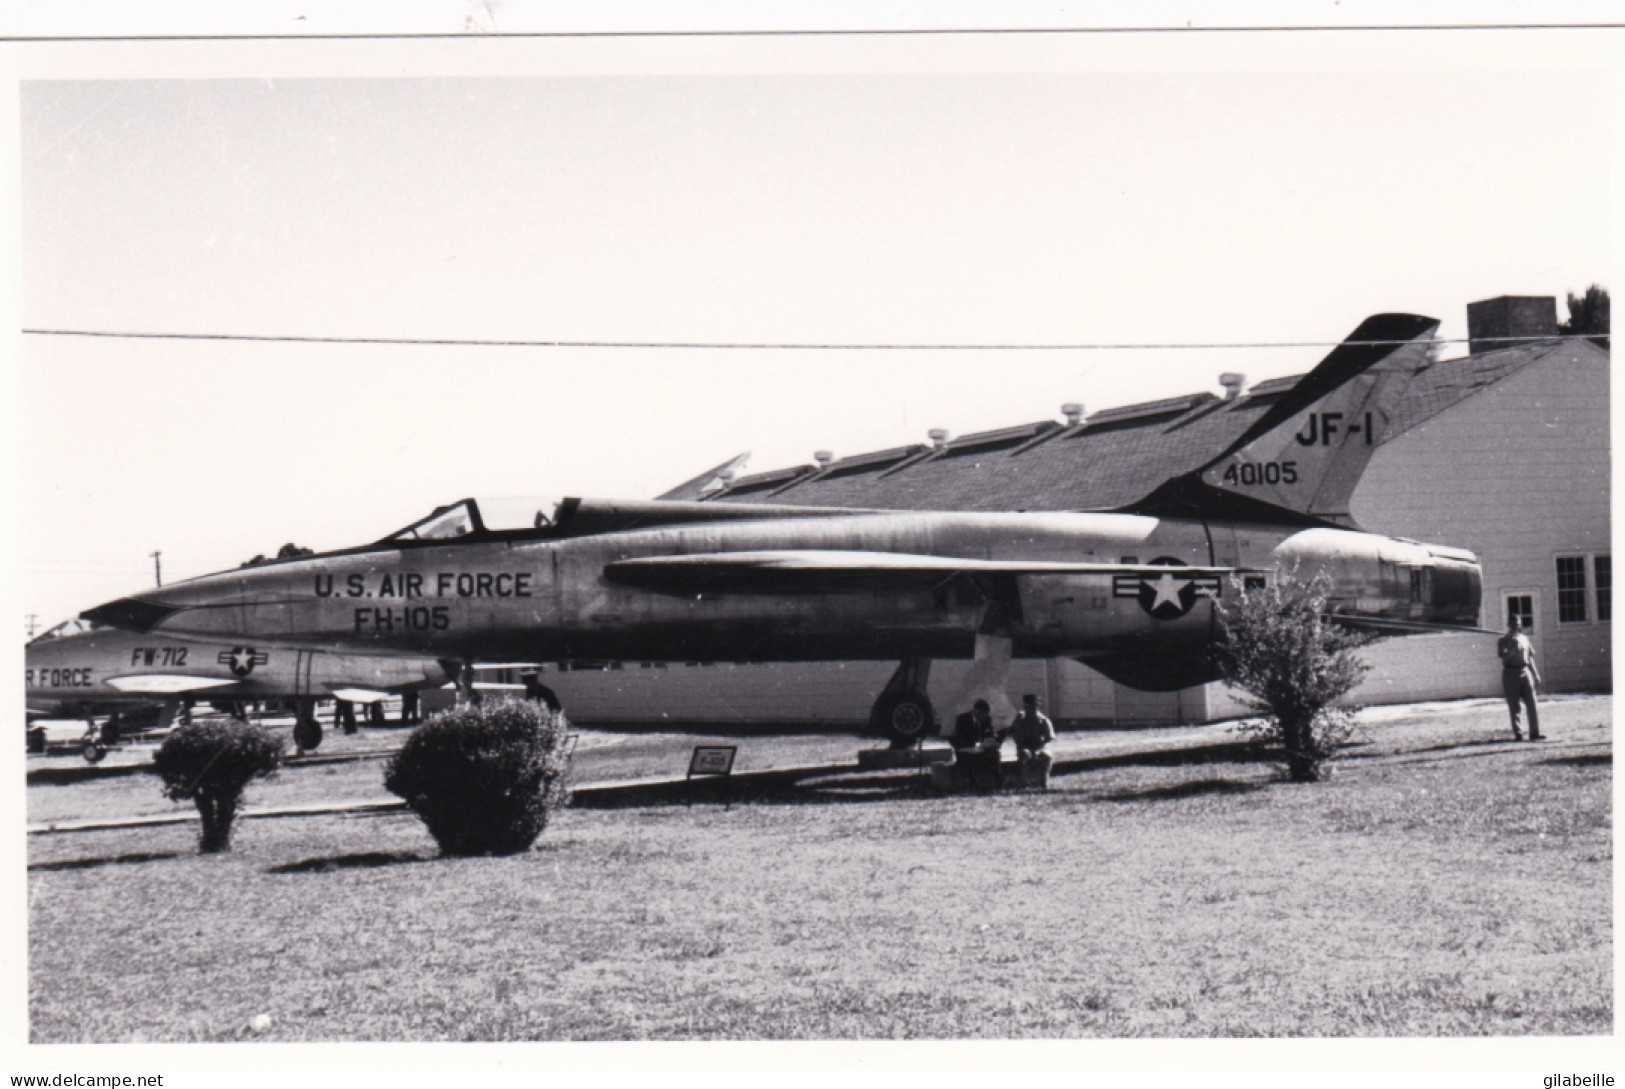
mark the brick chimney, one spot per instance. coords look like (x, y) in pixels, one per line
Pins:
(1491, 320)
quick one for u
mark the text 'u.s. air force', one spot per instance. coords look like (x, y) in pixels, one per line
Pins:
(418, 584)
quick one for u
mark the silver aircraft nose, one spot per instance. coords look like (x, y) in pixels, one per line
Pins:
(227, 604)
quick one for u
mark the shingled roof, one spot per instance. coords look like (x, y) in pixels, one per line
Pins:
(1453, 381)
(1113, 458)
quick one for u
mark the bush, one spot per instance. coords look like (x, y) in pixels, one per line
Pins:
(1292, 663)
(209, 763)
(483, 779)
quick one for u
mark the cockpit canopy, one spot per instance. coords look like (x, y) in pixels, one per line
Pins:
(77, 626)
(495, 513)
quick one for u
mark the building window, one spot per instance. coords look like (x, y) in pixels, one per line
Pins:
(1571, 589)
(1604, 566)
(1522, 608)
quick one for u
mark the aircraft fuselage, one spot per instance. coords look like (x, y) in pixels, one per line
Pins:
(93, 671)
(533, 596)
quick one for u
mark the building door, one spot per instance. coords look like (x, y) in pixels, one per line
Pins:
(1522, 604)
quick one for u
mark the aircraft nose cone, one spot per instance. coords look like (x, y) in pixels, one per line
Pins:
(266, 603)
(129, 613)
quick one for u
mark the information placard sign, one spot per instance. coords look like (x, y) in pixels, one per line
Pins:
(712, 760)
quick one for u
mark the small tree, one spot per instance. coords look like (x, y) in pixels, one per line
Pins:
(484, 779)
(1292, 663)
(209, 763)
(1588, 314)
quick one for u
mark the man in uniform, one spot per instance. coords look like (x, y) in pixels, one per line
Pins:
(1519, 676)
(1032, 730)
(976, 748)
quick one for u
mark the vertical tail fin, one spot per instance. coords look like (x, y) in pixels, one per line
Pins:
(1304, 457)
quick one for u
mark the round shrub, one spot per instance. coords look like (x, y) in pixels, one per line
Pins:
(485, 778)
(209, 763)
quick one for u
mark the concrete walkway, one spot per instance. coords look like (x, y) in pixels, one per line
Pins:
(1073, 752)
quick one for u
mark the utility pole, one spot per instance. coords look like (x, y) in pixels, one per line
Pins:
(157, 570)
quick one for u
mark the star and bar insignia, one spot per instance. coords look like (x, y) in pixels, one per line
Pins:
(242, 660)
(1168, 596)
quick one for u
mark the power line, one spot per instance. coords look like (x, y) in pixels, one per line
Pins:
(781, 346)
(811, 32)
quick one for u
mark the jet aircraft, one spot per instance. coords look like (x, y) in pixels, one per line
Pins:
(1131, 592)
(82, 669)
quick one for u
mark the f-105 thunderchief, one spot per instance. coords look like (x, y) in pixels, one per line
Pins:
(1131, 591)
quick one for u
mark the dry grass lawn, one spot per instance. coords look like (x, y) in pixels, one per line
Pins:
(1444, 882)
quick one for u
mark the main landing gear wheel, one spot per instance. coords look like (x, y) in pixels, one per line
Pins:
(903, 717)
(93, 752)
(307, 734)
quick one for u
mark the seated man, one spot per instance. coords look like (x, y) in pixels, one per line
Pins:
(1033, 731)
(976, 747)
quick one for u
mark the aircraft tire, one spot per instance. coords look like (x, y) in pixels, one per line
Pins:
(93, 752)
(903, 717)
(307, 734)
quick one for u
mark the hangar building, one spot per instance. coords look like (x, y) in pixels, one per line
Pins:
(1503, 451)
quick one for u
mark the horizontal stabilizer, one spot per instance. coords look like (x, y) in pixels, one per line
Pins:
(817, 571)
(166, 684)
(1382, 625)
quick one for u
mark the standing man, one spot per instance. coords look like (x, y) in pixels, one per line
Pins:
(1033, 730)
(1519, 676)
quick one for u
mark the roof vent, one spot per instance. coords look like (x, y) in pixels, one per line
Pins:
(938, 437)
(823, 458)
(1073, 413)
(1233, 384)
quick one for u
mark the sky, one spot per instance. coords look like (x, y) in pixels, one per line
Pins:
(1176, 202)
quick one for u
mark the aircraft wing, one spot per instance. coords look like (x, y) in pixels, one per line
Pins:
(360, 695)
(819, 571)
(166, 684)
